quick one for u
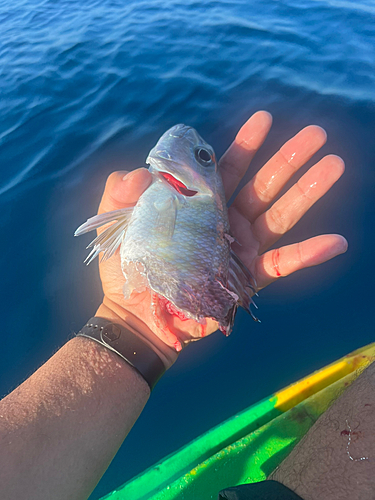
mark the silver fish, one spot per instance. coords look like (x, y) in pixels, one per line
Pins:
(176, 241)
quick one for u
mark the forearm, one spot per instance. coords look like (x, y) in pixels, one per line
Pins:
(336, 458)
(61, 428)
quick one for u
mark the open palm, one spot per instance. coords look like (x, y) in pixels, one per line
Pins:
(257, 219)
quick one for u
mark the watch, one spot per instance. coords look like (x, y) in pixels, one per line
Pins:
(124, 342)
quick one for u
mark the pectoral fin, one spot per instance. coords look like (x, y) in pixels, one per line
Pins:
(166, 217)
(110, 239)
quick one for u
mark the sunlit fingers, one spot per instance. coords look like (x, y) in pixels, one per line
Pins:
(235, 161)
(261, 191)
(123, 189)
(286, 260)
(288, 210)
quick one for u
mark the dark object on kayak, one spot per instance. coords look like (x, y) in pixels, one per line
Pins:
(264, 490)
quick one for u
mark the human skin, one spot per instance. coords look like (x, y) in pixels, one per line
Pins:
(55, 437)
(335, 460)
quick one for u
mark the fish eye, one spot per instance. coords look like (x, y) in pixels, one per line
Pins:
(203, 156)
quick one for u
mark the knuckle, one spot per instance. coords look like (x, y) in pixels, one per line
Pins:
(299, 254)
(277, 220)
(303, 192)
(262, 189)
(275, 263)
(287, 162)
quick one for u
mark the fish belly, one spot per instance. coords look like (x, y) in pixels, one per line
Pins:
(188, 267)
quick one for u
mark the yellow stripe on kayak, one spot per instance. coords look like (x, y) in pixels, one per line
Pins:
(295, 393)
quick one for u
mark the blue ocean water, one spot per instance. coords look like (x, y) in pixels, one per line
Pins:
(88, 87)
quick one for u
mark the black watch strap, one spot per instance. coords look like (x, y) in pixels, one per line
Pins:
(127, 345)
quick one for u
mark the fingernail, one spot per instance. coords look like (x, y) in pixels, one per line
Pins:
(343, 244)
(131, 174)
(124, 173)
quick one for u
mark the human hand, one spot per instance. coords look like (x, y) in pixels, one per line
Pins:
(258, 219)
(255, 222)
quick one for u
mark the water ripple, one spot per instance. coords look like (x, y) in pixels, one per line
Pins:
(69, 69)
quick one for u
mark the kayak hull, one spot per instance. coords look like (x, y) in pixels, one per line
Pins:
(250, 445)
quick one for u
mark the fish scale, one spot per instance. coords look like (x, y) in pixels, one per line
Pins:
(188, 258)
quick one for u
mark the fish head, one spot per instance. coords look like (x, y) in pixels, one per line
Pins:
(185, 161)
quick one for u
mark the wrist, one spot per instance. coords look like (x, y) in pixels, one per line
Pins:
(117, 314)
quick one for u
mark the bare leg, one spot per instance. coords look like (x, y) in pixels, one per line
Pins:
(336, 459)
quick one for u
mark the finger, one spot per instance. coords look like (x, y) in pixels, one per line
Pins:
(286, 260)
(257, 195)
(123, 189)
(288, 210)
(235, 161)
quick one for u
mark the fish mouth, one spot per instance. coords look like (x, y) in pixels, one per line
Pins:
(177, 185)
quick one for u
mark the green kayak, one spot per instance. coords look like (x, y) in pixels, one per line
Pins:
(250, 445)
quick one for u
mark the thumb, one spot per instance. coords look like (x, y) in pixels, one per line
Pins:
(123, 189)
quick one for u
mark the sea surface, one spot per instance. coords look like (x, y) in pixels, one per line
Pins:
(88, 87)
